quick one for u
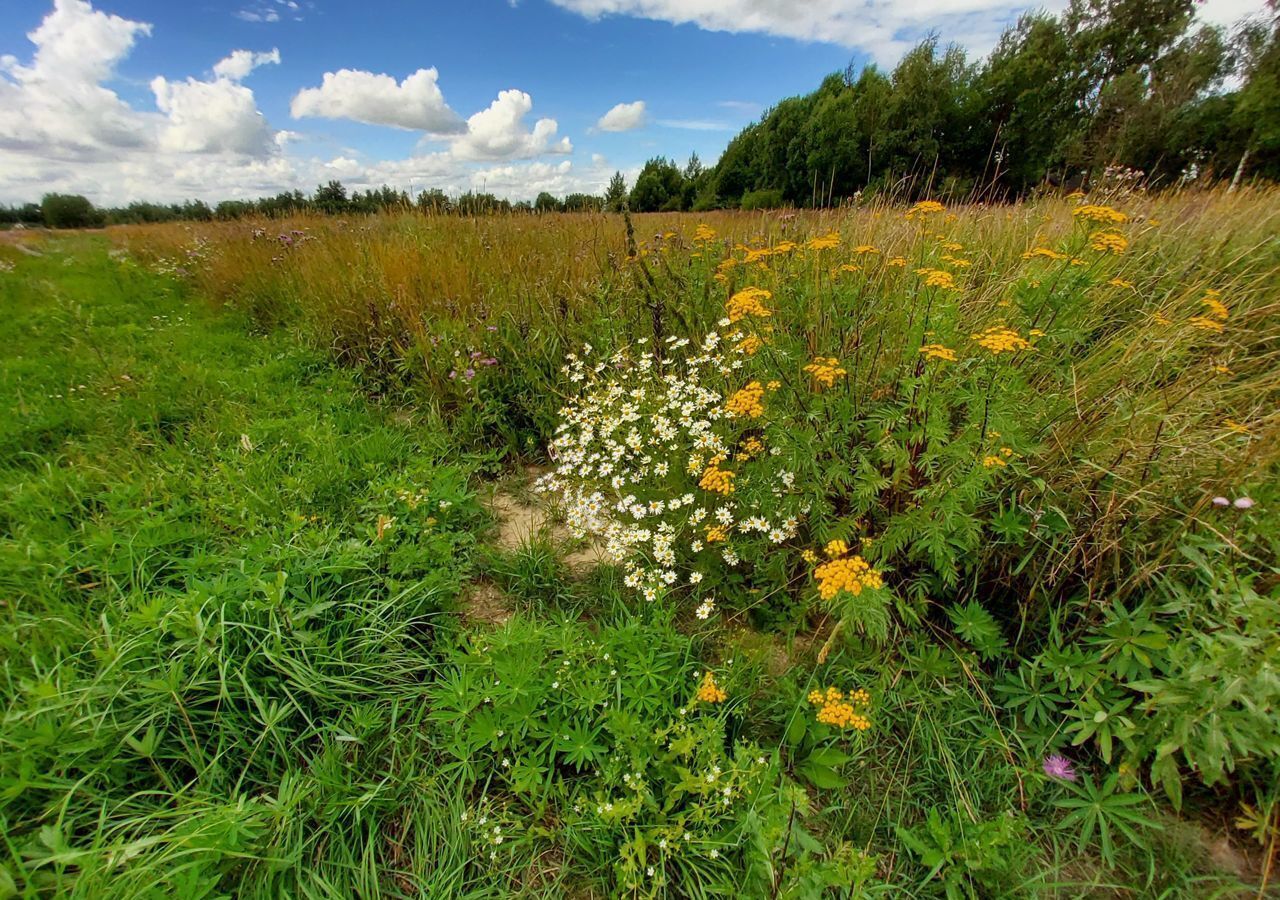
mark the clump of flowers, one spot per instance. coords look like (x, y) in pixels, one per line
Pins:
(841, 711)
(1044, 252)
(715, 479)
(709, 691)
(826, 370)
(1214, 307)
(1001, 339)
(748, 302)
(1109, 242)
(925, 208)
(704, 232)
(747, 402)
(938, 351)
(1103, 215)
(845, 573)
(826, 242)
(642, 463)
(938, 278)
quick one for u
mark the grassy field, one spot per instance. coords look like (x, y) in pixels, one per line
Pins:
(942, 561)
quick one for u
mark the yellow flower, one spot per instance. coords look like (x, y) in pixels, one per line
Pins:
(938, 351)
(709, 691)
(835, 548)
(853, 574)
(1216, 308)
(839, 711)
(1236, 427)
(750, 448)
(1204, 323)
(1045, 252)
(748, 402)
(717, 480)
(863, 249)
(1001, 339)
(750, 344)
(704, 232)
(1109, 242)
(898, 262)
(1104, 215)
(937, 278)
(849, 267)
(717, 533)
(809, 556)
(826, 242)
(957, 262)
(925, 207)
(748, 302)
(826, 369)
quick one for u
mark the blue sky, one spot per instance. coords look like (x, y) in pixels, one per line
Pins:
(122, 99)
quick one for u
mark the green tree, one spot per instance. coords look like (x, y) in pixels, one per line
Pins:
(615, 195)
(659, 186)
(69, 211)
(546, 202)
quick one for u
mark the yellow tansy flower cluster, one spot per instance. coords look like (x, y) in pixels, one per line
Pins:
(750, 344)
(704, 232)
(748, 302)
(865, 248)
(809, 556)
(1121, 283)
(1001, 460)
(898, 262)
(748, 402)
(938, 351)
(851, 573)
(826, 369)
(751, 448)
(937, 278)
(826, 242)
(924, 208)
(1044, 252)
(839, 711)
(1109, 242)
(716, 479)
(709, 691)
(1105, 215)
(717, 534)
(1204, 323)
(836, 548)
(1215, 308)
(1001, 339)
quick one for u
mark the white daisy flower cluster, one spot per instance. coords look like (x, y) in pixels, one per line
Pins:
(650, 463)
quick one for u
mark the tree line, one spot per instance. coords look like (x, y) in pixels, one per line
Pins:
(1135, 85)
(1122, 84)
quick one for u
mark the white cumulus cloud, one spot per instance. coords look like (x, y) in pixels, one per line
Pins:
(499, 132)
(240, 63)
(218, 116)
(416, 103)
(623, 117)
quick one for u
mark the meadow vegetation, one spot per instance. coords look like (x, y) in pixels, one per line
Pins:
(939, 554)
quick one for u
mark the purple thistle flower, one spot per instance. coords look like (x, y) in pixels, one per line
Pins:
(469, 374)
(1243, 502)
(1221, 501)
(1059, 767)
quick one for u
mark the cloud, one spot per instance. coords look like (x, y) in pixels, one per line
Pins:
(499, 132)
(240, 63)
(884, 30)
(694, 124)
(416, 103)
(218, 116)
(623, 117)
(58, 102)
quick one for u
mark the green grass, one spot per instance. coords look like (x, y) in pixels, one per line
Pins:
(213, 669)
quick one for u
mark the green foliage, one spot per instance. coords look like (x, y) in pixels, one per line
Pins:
(69, 211)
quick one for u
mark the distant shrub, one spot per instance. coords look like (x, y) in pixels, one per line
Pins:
(764, 199)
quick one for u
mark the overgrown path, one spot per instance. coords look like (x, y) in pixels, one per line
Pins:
(222, 574)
